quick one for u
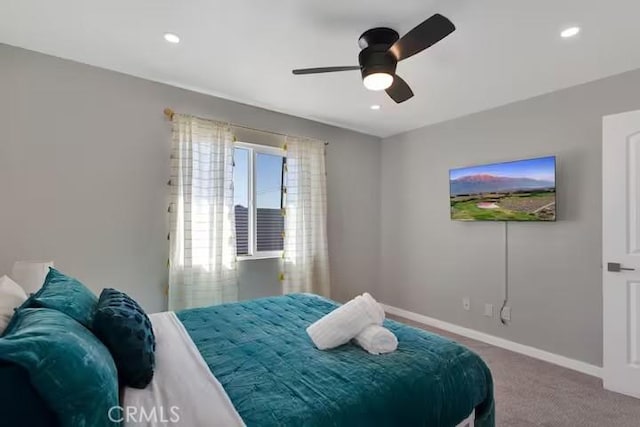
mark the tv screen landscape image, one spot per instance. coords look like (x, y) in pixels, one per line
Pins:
(523, 190)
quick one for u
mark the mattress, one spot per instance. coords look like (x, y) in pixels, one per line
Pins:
(260, 353)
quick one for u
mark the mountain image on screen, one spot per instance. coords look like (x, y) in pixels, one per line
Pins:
(473, 184)
(523, 190)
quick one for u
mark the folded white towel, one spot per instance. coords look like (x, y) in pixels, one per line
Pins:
(377, 308)
(345, 322)
(377, 340)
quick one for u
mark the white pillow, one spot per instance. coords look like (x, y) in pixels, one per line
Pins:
(11, 296)
(30, 274)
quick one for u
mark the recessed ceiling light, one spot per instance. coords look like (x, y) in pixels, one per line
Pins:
(172, 38)
(375, 107)
(570, 32)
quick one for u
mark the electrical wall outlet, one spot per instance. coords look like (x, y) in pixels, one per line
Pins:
(466, 303)
(506, 313)
(488, 310)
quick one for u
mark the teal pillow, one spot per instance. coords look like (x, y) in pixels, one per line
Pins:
(125, 329)
(20, 403)
(65, 294)
(68, 366)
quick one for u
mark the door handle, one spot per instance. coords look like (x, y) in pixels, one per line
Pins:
(615, 267)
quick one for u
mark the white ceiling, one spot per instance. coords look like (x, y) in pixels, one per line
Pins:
(244, 50)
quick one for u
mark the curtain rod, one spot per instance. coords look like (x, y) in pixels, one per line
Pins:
(169, 113)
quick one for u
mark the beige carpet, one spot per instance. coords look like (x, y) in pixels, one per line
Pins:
(529, 392)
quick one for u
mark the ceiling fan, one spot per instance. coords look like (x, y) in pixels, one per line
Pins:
(382, 48)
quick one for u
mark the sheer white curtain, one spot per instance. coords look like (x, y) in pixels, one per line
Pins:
(306, 259)
(202, 263)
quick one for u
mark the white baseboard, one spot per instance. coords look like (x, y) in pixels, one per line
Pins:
(556, 359)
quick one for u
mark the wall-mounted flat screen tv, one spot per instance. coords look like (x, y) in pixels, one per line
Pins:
(523, 190)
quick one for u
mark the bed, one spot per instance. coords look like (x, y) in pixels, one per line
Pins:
(270, 373)
(252, 363)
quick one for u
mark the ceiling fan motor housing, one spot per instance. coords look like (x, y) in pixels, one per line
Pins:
(377, 59)
(375, 56)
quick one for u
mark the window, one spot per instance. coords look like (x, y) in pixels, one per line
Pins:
(257, 182)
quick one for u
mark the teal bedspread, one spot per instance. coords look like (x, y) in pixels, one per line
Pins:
(264, 359)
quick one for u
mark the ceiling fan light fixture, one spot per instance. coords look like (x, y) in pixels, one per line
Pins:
(382, 48)
(378, 81)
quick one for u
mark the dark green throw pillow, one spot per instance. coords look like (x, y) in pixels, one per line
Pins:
(65, 294)
(125, 329)
(69, 367)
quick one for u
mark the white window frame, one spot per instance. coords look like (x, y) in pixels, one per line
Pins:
(254, 150)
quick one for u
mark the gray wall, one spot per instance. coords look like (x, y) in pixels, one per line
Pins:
(84, 165)
(429, 263)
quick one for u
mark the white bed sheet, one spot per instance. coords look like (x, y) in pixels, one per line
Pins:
(469, 421)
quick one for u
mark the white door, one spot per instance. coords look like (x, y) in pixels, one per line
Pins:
(621, 252)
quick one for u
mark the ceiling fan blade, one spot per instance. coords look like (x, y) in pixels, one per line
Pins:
(423, 36)
(325, 69)
(399, 91)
